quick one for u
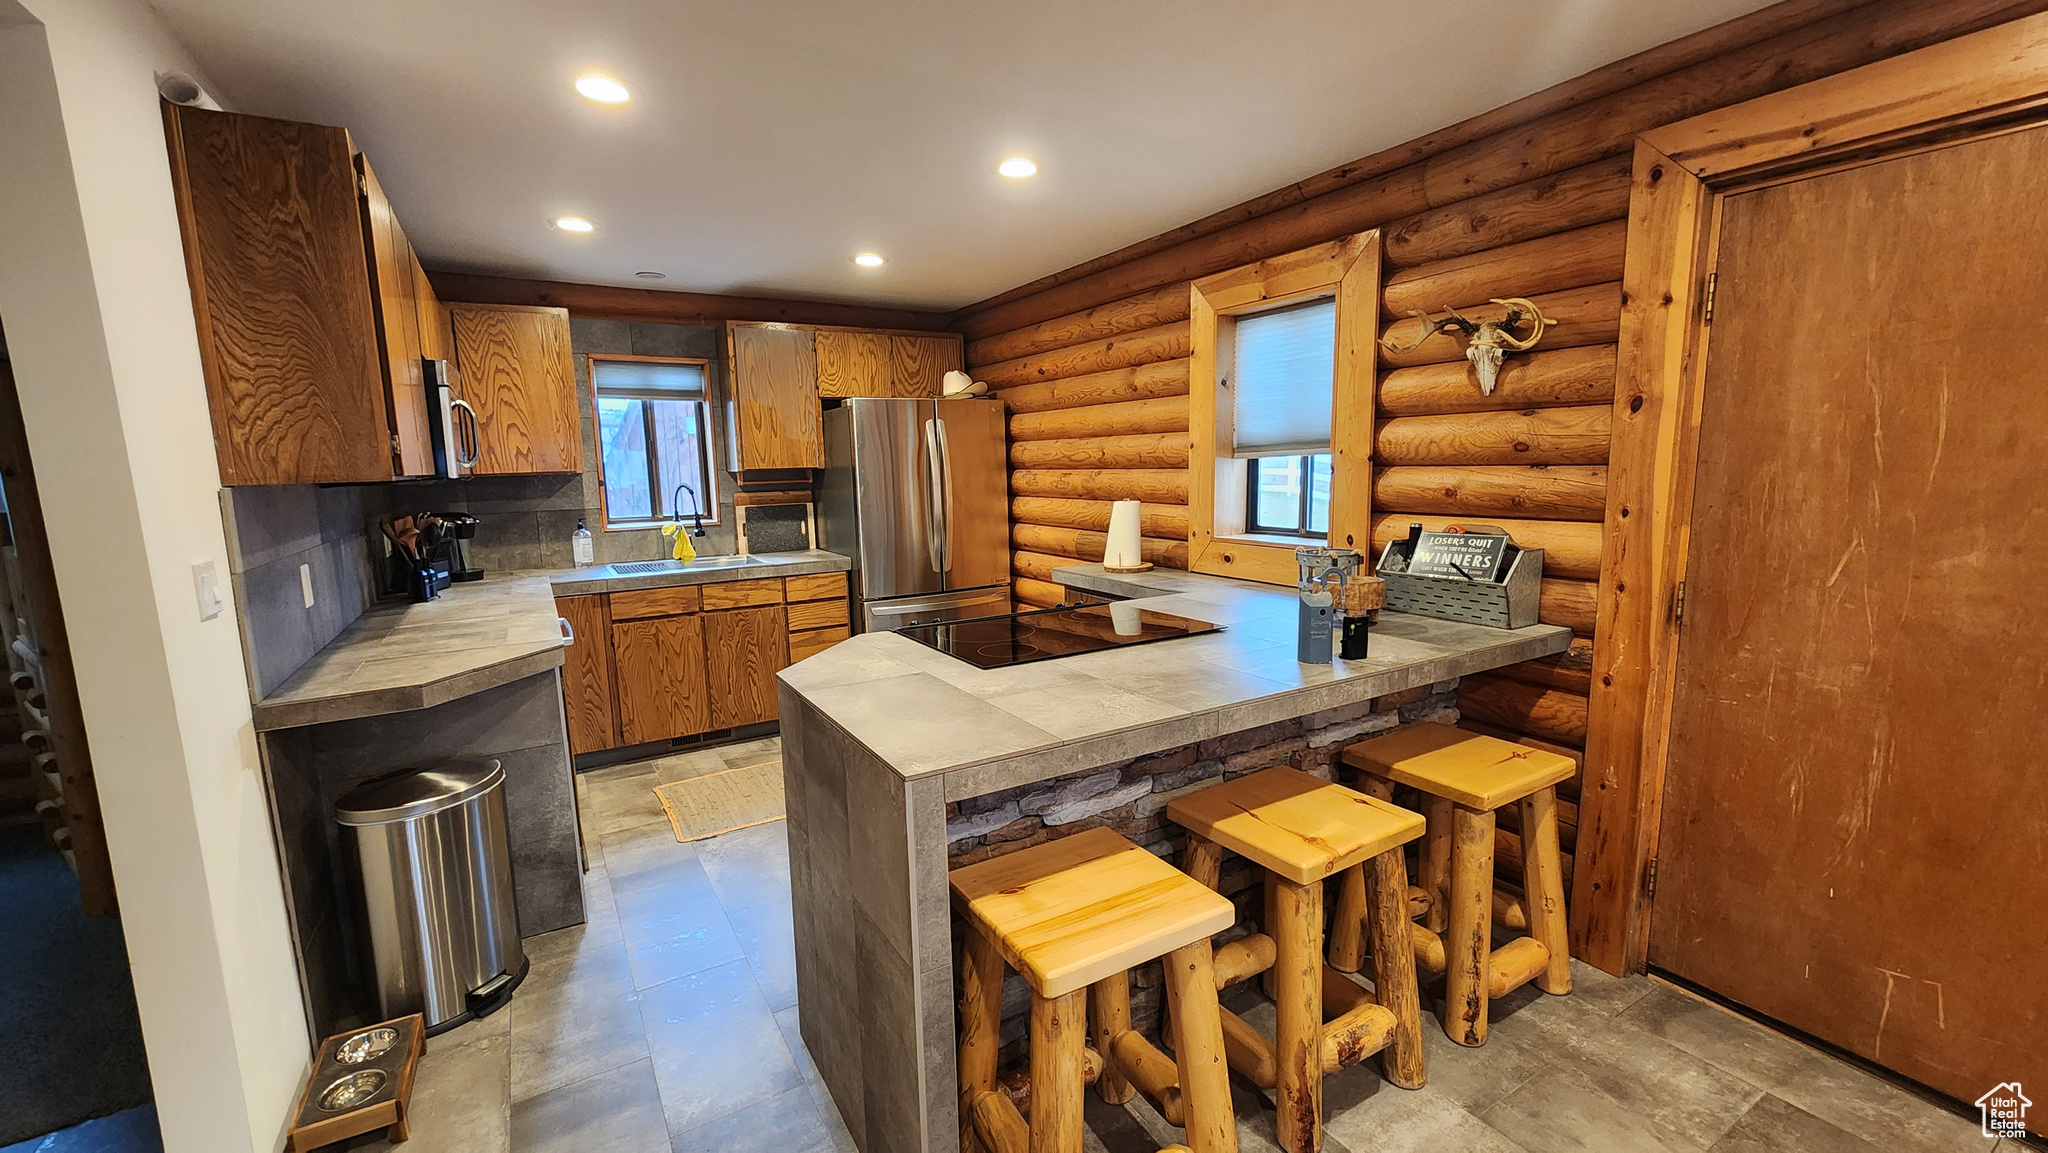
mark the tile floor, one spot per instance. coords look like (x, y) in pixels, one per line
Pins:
(668, 1023)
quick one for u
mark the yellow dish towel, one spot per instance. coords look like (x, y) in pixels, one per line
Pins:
(684, 550)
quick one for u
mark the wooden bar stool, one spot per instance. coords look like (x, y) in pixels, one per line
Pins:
(1303, 830)
(1073, 916)
(1466, 777)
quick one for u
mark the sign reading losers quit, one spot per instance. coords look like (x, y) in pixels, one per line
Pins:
(1459, 555)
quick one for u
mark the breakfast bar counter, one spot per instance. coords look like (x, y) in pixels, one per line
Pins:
(895, 755)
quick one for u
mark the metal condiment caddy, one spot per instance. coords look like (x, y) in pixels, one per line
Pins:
(1507, 602)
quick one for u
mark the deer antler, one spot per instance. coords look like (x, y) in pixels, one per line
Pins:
(1520, 309)
(1453, 319)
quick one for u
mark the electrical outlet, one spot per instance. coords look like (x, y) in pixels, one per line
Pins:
(306, 583)
(207, 586)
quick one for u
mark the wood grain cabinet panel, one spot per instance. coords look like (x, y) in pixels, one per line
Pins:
(746, 648)
(918, 364)
(435, 341)
(587, 674)
(815, 641)
(274, 250)
(515, 370)
(661, 675)
(777, 419)
(395, 290)
(817, 615)
(815, 587)
(657, 602)
(853, 364)
(741, 594)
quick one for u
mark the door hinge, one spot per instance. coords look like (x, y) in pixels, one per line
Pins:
(1650, 880)
(1713, 280)
(1678, 605)
(362, 185)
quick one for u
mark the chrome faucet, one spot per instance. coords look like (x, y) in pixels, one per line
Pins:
(696, 510)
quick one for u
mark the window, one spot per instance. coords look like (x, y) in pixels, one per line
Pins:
(653, 439)
(1279, 502)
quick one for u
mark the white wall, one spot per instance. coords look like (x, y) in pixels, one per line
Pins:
(98, 321)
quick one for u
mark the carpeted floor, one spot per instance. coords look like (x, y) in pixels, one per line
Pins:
(67, 1006)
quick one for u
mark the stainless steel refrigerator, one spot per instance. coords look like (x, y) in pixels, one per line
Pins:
(916, 492)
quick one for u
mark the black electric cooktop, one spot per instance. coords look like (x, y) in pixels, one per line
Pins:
(1042, 634)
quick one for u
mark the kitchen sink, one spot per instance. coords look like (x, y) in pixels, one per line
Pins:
(701, 564)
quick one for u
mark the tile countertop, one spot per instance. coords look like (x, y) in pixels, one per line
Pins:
(926, 713)
(400, 656)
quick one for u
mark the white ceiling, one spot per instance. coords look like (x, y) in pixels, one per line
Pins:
(770, 140)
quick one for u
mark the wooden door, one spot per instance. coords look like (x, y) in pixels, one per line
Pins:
(433, 319)
(281, 294)
(918, 364)
(1854, 814)
(775, 392)
(587, 674)
(516, 371)
(853, 364)
(660, 683)
(746, 648)
(398, 327)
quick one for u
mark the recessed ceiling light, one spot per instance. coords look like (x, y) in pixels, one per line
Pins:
(652, 275)
(574, 224)
(1018, 167)
(869, 260)
(603, 89)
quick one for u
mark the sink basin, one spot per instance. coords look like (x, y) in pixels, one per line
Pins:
(701, 564)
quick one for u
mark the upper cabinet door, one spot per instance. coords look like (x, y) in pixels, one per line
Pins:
(853, 364)
(398, 327)
(516, 372)
(281, 293)
(918, 364)
(433, 315)
(775, 394)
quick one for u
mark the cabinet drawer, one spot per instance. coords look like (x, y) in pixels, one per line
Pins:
(815, 641)
(637, 603)
(817, 615)
(735, 594)
(816, 587)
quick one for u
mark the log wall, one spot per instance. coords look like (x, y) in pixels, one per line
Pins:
(1528, 200)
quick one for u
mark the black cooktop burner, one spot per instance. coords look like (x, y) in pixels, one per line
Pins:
(1019, 638)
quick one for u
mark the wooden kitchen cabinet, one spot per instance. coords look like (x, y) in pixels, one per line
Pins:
(918, 364)
(281, 293)
(777, 421)
(395, 289)
(749, 647)
(436, 343)
(587, 674)
(513, 366)
(853, 364)
(663, 687)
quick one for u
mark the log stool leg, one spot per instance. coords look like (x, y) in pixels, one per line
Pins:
(981, 1015)
(1468, 944)
(1434, 868)
(1267, 981)
(1198, 1049)
(1109, 1005)
(1393, 975)
(1298, 1000)
(1059, 1037)
(1543, 888)
(1347, 924)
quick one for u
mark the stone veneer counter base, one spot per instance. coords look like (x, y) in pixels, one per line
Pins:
(885, 739)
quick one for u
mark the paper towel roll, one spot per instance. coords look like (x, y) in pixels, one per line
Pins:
(1122, 550)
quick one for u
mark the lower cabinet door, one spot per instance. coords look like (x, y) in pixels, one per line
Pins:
(587, 674)
(661, 679)
(745, 648)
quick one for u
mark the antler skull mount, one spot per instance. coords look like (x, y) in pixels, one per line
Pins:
(1488, 342)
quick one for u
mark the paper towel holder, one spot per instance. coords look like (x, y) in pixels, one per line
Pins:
(1141, 566)
(1122, 542)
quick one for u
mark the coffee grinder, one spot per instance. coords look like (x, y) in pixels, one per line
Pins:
(1324, 575)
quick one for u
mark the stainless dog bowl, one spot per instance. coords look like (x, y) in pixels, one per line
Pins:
(352, 1090)
(365, 1045)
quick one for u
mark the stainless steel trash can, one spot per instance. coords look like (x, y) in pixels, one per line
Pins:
(435, 874)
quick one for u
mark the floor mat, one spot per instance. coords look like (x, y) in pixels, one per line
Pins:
(74, 1041)
(721, 802)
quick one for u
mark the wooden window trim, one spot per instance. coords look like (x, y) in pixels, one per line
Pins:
(1975, 85)
(1349, 270)
(709, 498)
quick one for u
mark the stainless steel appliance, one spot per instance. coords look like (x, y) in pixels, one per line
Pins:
(1042, 634)
(916, 492)
(457, 436)
(435, 867)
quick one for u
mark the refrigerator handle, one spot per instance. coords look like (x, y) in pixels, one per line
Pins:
(934, 498)
(945, 495)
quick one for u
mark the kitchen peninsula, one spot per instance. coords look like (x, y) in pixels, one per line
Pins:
(899, 761)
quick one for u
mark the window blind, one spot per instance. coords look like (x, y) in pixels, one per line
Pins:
(643, 377)
(1281, 383)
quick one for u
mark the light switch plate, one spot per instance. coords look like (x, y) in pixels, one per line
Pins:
(207, 586)
(306, 583)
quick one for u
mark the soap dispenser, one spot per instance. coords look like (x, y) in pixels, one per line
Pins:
(584, 546)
